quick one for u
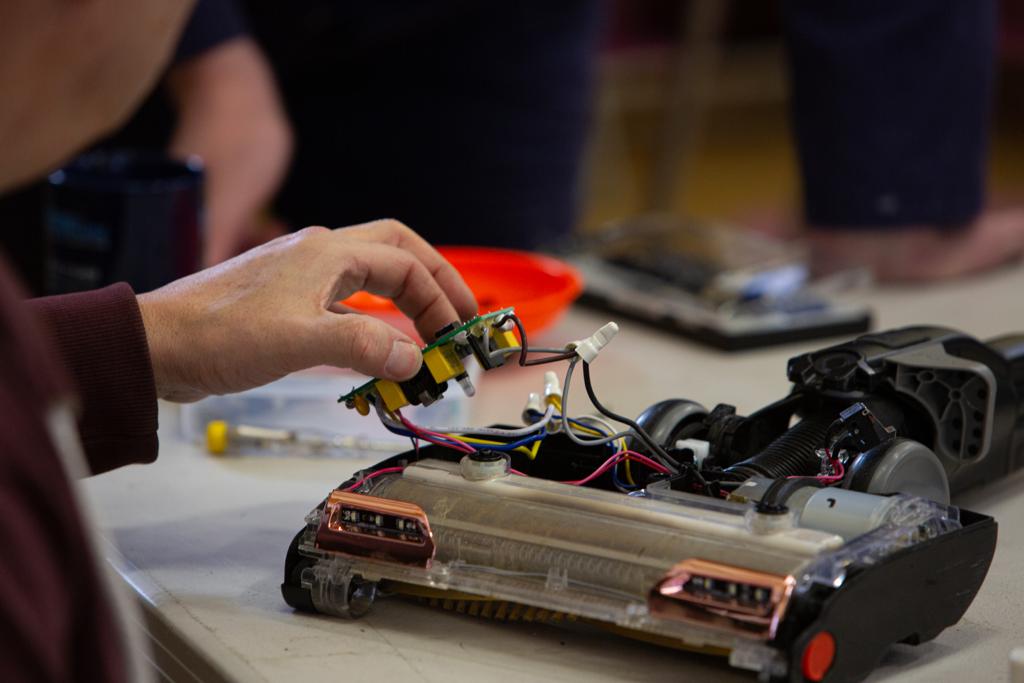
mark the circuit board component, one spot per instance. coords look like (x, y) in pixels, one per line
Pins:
(489, 338)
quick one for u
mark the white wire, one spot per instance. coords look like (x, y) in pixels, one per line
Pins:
(494, 431)
(385, 418)
(565, 411)
(596, 421)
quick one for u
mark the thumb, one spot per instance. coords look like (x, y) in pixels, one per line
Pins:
(367, 345)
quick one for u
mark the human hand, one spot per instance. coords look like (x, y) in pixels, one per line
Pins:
(272, 310)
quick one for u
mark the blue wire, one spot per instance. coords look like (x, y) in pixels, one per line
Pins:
(405, 432)
(515, 444)
(615, 470)
(618, 482)
(525, 442)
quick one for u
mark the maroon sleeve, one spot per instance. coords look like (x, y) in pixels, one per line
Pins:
(100, 337)
(55, 621)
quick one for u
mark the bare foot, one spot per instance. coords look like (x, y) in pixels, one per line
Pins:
(922, 253)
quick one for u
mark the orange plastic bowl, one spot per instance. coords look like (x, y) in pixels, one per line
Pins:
(539, 287)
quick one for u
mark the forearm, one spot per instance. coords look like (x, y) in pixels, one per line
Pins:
(229, 114)
(101, 339)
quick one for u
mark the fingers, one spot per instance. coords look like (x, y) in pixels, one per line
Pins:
(396, 234)
(364, 344)
(395, 273)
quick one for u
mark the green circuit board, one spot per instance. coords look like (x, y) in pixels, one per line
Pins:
(446, 338)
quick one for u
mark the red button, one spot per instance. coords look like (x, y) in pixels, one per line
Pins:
(818, 656)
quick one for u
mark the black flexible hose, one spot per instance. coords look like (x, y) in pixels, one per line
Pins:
(792, 454)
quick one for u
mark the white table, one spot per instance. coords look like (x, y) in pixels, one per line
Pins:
(203, 540)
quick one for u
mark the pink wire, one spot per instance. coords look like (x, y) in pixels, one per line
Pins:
(644, 460)
(837, 477)
(435, 437)
(371, 475)
(828, 478)
(610, 462)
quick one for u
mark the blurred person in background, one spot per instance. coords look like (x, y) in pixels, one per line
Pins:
(229, 114)
(449, 110)
(438, 113)
(892, 108)
(441, 112)
(80, 374)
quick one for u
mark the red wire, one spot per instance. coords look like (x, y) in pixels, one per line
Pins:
(371, 475)
(610, 462)
(837, 466)
(435, 437)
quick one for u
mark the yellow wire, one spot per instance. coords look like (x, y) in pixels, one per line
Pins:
(628, 467)
(588, 430)
(531, 453)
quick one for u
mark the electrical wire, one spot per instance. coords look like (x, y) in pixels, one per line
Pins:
(371, 475)
(395, 427)
(457, 438)
(565, 410)
(497, 353)
(462, 444)
(531, 452)
(605, 466)
(494, 431)
(604, 428)
(656, 449)
(525, 348)
(577, 422)
(838, 471)
(433, 436)
(605, 425)
(610, 462)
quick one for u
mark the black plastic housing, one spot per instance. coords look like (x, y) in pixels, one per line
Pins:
(957, 395)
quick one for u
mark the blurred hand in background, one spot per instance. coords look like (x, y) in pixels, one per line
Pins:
(230, 115)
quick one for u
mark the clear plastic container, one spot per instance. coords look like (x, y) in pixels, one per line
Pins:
(304, 405)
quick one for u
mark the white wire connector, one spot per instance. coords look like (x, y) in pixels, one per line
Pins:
(534, 404)
(588, 348)
(552, 387)
(701, 449)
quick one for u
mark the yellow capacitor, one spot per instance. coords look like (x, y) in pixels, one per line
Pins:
(443, 363)
(361, 405)
(392, 394)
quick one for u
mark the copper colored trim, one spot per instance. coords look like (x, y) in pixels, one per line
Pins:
(669, 599)
(337, 535)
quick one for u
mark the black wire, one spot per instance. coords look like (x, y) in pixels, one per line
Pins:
(551, 359)
(524, 345)
(656, 450)
(522, 334)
